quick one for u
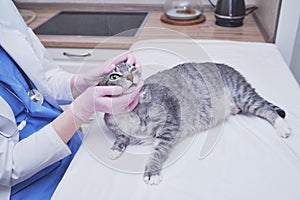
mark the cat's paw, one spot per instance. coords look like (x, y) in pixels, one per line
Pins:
(282, 128)
(152, 179)
(235, 111)
(115, 154)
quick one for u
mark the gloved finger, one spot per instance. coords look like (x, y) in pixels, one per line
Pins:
(112, 105)
(103, 104)
(139, 86)
(127, 102)
(127, 99)
(109, 68)
(101, 91)
(130, 59)
(133, 104)
(138, 64)
(123, 58)
(111, 64)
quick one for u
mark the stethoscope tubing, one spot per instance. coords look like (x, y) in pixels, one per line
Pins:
(23, 122)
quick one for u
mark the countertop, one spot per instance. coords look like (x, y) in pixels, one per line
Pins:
(152, 28)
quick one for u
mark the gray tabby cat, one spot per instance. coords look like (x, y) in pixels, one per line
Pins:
(182, 101)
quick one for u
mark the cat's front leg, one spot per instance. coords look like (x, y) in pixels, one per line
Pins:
(162, 147)
(119, 147)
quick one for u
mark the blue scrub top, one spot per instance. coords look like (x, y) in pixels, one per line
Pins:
(41, 185)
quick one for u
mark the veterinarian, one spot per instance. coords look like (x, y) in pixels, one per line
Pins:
(37, 139)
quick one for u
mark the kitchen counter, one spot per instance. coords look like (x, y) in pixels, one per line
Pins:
(152, 28)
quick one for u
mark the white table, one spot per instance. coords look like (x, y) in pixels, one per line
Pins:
(249, 161)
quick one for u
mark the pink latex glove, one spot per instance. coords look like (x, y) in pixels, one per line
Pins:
(106, 99)
(80, 83)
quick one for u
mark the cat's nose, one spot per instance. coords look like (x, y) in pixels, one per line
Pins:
(130, 77)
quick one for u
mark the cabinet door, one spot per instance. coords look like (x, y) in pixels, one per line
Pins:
(81, 60)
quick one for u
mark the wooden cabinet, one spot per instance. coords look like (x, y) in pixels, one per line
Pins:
(78, 60)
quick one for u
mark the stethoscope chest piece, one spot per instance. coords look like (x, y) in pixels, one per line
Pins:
(36, 96)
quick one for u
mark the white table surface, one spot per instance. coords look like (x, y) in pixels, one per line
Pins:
(249, 160)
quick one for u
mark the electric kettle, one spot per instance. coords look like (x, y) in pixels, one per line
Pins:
(231, 13)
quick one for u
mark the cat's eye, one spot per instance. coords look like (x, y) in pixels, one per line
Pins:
(114, 76)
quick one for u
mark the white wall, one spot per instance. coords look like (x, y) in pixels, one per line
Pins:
(267, 14)
(295, 63)
(287, 28)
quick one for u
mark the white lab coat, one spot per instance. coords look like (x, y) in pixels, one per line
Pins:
(44, 147)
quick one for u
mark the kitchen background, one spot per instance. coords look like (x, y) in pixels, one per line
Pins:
(278, 20)
(113, 1)
(266, 15)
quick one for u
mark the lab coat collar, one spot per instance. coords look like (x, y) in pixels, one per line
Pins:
(10, 16)
(4, 192)
(8, 127)
(19, 46)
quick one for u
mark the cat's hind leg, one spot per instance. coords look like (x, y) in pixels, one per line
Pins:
(282, 128)
(119, 147)
(254, 104)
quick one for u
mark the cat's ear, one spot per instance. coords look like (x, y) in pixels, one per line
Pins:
(101, 81)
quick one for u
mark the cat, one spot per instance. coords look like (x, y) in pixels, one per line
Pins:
(179, 102)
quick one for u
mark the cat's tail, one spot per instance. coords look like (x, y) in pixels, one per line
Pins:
(279, 111)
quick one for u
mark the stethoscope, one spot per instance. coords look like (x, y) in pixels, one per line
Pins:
(33, 94)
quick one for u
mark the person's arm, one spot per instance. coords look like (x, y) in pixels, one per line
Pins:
(107, 99)
(20, 160)
(66, 124)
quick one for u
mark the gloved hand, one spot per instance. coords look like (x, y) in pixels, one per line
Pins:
(106, 99)
(79, 80)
